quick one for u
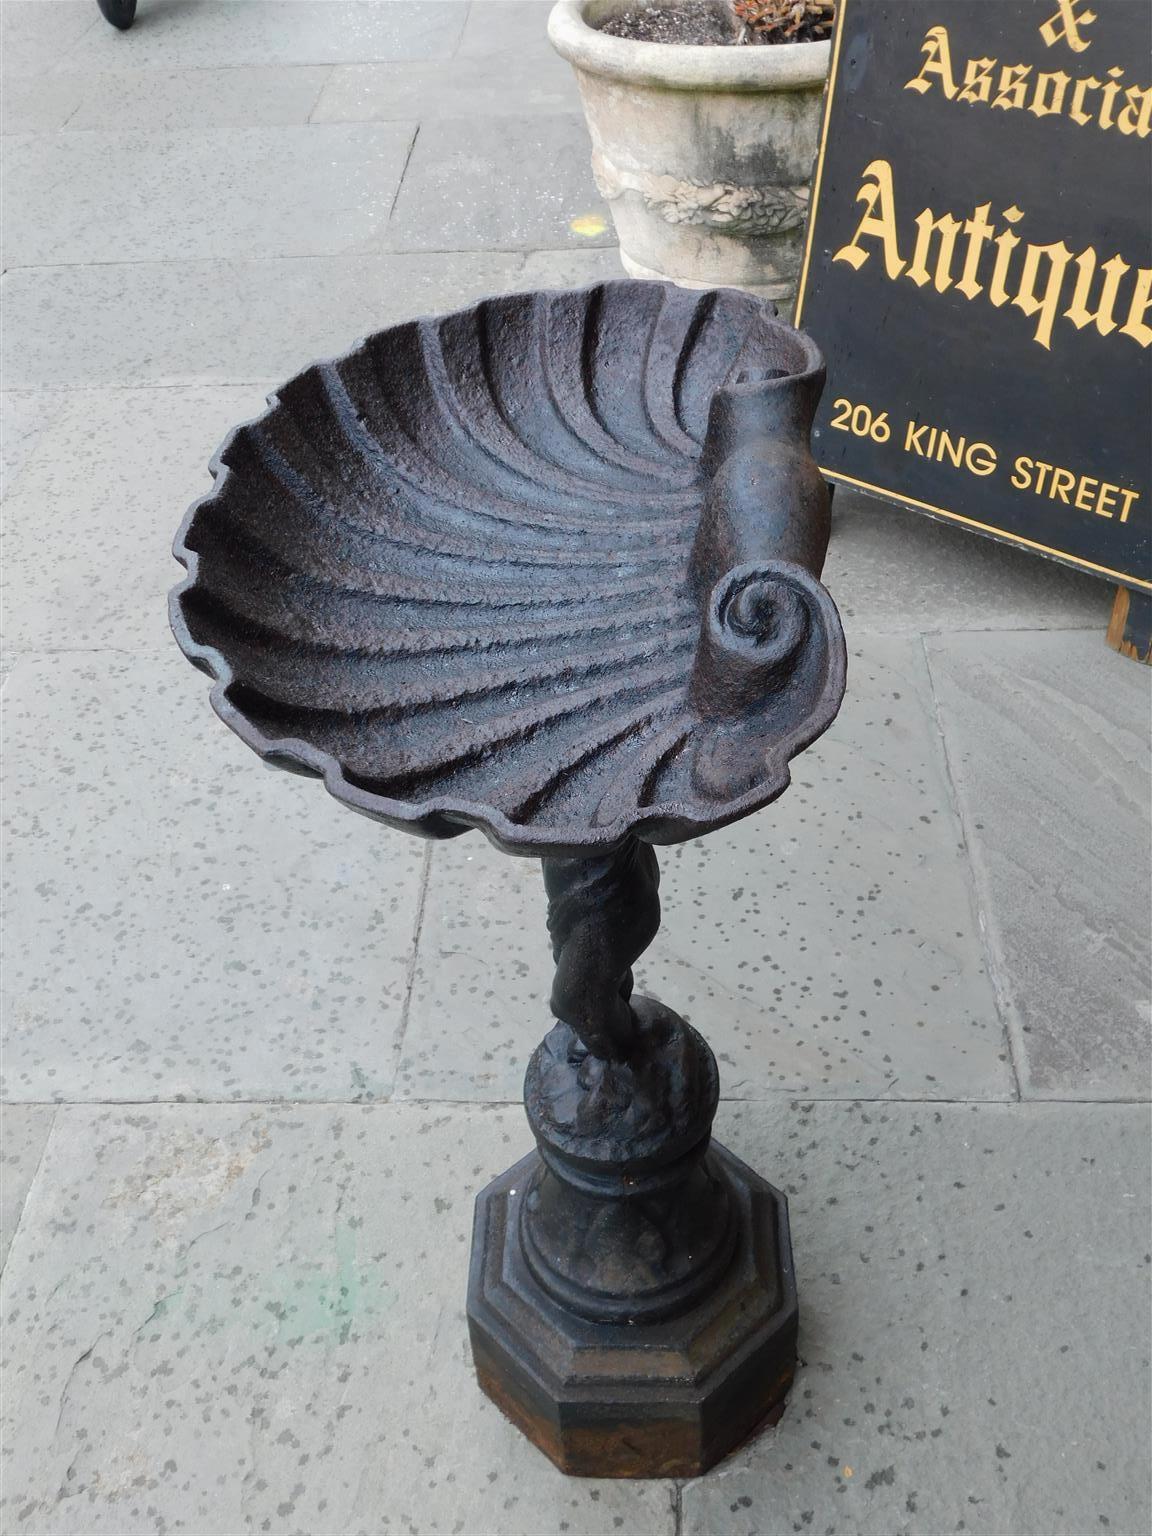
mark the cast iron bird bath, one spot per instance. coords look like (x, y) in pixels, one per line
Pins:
(547, 567)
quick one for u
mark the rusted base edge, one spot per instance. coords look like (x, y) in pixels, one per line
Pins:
(660, 1448)
(670, 1399)
(654, 1447)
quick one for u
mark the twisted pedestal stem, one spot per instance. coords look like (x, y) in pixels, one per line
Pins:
(623, 1220)
(602, 915)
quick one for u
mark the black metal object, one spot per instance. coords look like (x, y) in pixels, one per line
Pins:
(631, 1300)
(121, 13)
(549, 567)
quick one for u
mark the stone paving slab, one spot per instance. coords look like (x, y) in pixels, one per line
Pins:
(496, 27)
(570, 268)
(37, 103)
(500, 183)
(26, 415)
(104, 491)
(287, 191)
(162, 100)
(183, 923)
(257, 1322)
(1048, 740)
(35, 36)
(974, 1324)
(209, 33)
(23, 1133)
(252, 1318)
(176, 100)
(894, 570)
(517, 84)
(223, 321)
(828, 945)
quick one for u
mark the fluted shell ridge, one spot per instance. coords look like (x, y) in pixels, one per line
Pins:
(447, 571)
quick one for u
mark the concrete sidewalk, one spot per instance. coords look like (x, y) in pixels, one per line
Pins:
(259, 1053)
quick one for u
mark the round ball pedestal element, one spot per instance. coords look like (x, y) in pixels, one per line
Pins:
(549, 567)
(631, 1303)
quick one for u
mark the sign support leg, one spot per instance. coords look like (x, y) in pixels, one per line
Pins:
(1130, 627)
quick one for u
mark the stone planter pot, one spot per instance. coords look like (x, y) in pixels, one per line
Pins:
(704, 154)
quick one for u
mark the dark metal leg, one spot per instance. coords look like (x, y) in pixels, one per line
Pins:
(631, 1301)
(121, 13)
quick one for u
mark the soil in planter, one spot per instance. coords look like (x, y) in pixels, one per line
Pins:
(688, 21)
(703, 22)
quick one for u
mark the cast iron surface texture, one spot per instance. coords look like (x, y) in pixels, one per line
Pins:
(549, 567)
(669, 1397)
(631, 1301)
(546, 567)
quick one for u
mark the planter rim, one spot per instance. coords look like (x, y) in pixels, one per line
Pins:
(684, 66)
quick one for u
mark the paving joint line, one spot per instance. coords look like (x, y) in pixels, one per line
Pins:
(1005, 1010)
(455, 54)
(390, 1101)
(55, 1107)
(403, 174)
(349, 256)
(410, 976)
(324, 84)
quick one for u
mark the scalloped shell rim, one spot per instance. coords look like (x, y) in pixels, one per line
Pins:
(445, 816)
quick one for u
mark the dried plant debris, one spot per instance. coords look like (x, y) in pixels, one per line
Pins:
(784, 21)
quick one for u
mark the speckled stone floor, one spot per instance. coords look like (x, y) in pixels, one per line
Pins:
(258, 1054)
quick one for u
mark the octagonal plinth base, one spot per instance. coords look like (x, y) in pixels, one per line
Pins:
(663, 1399)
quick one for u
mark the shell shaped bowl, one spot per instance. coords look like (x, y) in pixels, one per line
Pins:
(451, 573)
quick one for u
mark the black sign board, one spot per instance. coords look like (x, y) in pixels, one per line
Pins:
(978, 271)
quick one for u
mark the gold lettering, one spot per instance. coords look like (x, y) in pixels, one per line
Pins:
(1062, 482)
(1109, 93)
(1137, 115)
(979, 232)
(1046, 306)
(882, 226)
(981, 459)
(926, 226)
(948, 446)
(1083, 490)
(977, 80)
(1037, 286)
(1065, 26)
(1078, 311)
(1106, 499)
(912, 439)
(1013, 86)
(1129, 498)
(1023, 468)
(1135, 325)
(1043, 103)
(1005, 244)
(937, 61)
(1076, 110)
